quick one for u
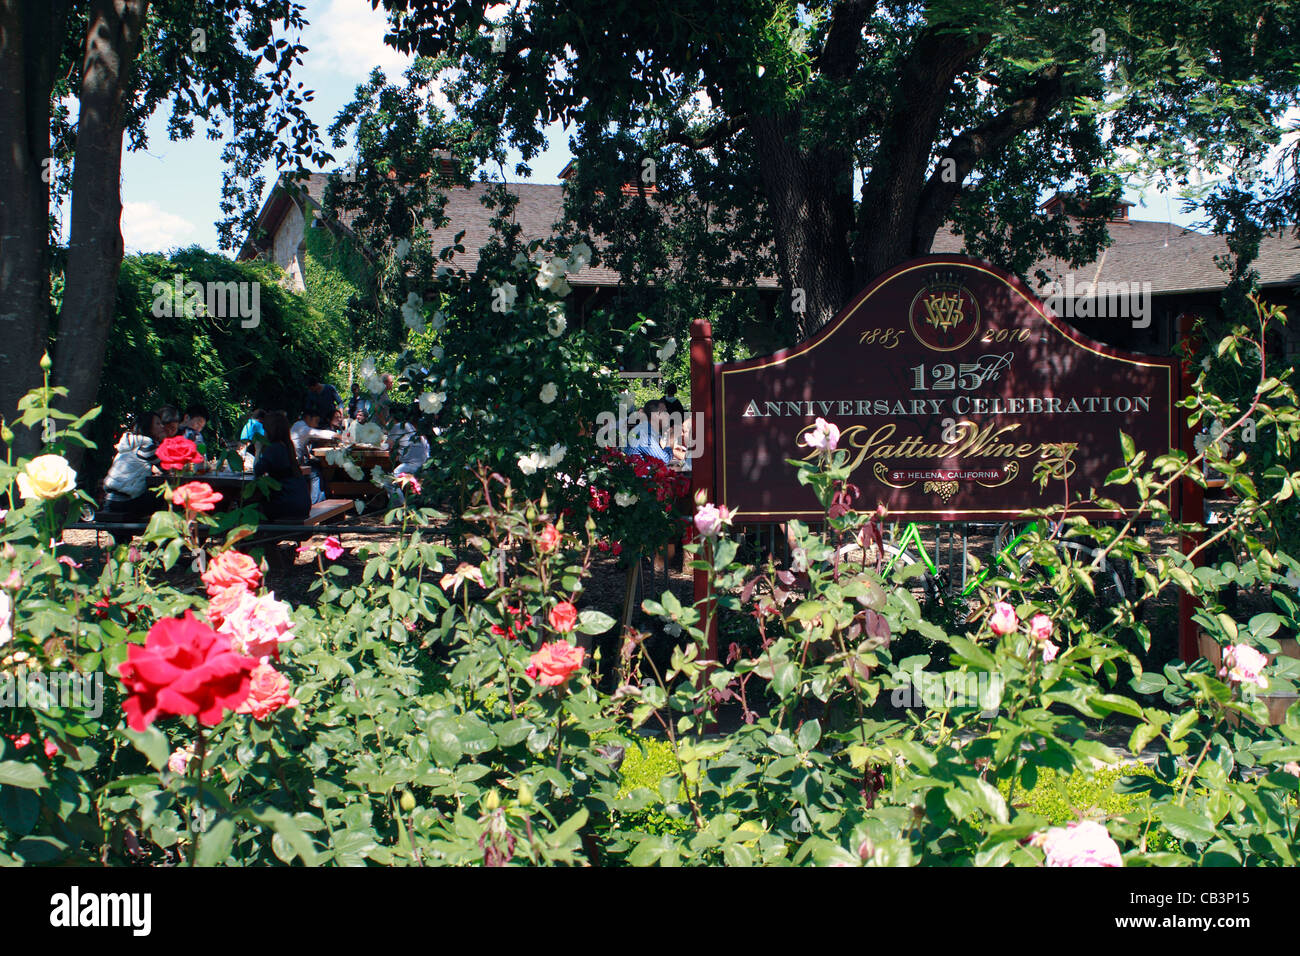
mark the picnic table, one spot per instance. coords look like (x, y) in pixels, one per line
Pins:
(366, 456)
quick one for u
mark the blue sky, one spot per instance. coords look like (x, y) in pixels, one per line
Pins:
(171, 192)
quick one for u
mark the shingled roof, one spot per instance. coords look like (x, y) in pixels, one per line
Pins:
(1171, 258)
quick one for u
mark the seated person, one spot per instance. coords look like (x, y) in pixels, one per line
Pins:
(127, 481)
(192, 425)
(170, 417)
(648, 438)
(305, 433)
(279, 459)
(252, 437)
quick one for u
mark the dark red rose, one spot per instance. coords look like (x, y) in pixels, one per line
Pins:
(599, 499)
(184, 667)
(176, 452)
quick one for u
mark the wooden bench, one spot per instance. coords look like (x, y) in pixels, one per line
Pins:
(327, 509)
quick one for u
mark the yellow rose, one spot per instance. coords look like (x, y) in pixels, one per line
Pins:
(45, 477)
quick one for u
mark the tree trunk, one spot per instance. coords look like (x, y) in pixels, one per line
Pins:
(30, 36)
(810, 201)
(95, 236)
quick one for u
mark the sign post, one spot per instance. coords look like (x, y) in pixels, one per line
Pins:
(702, 470)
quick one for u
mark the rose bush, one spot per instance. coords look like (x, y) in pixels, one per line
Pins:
(438, 705)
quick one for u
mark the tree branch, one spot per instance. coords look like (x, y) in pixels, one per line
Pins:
(718, 133)
(1031, 108)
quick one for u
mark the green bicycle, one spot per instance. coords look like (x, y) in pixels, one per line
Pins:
(1011, 556)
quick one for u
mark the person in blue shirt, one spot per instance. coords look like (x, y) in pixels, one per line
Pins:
(647, 438)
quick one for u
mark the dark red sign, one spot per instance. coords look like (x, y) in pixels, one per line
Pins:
(948, 380)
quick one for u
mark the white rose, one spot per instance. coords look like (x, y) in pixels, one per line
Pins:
(370, 433)
(549, 391)
(556, 325)
(528, 463)
(579, 257)
(374, 384)
(367, 367)
(667, 351)
(353, 469)
(431, 402)
(504, 294)
(555, 456)
(624, 499)
(550, 276)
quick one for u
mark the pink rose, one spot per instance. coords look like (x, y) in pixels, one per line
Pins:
(1040, 627)
(180, 759)
(231, 569)
(257, 625)
(1084, 843)
(824, 436)
(223, 602)
(1242, 664)
(549, 539)
(1292, 768)
(333, 548)
(1003, 620)
(14, 581)
(1049, 652)
(268, 691)
(196, 496)
(711, 519)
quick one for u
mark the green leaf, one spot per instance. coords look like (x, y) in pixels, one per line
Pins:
(1185, 824)
(594, 622)
(153, 744)
(809, 734)
(215, 844)
(25, 775)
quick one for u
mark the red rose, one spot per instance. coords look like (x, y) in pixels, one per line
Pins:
(231, 569)
(549, 539)
(176, 452)
(599, 499)
(563, 617)
(553, 664)
(196, 496)
(184, 667)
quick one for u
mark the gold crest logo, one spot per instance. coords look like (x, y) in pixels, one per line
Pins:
(944, 315)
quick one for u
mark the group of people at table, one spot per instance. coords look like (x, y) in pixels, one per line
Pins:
(269, 445)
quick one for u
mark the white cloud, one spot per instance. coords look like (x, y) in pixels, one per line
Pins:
(147, 227)
(351, 33)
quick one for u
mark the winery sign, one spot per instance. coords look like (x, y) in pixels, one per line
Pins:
(948, 380)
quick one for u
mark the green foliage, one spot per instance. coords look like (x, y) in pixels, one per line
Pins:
(190, 356)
